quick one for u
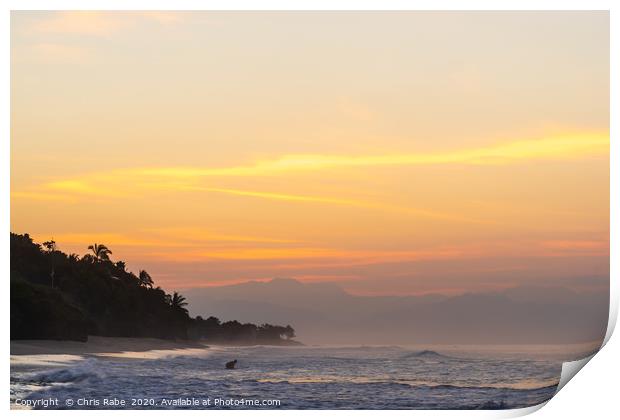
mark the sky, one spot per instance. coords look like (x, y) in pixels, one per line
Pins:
(390, 153)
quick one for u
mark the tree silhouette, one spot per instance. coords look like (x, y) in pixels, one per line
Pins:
(145, 279)
(102, 252)
(50, 246)
(288, 332)
(90, 295)
(178, 303)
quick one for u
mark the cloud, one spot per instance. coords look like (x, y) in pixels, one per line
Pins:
(565, 147)
(163, 17)
(306, 257)
(42, 196)
(99, 23)
(192, 239)
(205, 236)
(95, 189)
(144, 181)
(581, 247)
(341, 201)
(81, 22)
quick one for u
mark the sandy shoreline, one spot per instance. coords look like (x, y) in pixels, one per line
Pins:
(98, 345)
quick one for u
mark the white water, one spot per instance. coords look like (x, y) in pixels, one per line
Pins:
(456, 377)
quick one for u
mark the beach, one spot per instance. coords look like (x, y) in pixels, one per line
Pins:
(100, 346)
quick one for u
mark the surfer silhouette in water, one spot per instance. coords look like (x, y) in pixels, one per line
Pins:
(231, 364)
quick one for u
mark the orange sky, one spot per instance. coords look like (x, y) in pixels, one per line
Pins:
(391, 153)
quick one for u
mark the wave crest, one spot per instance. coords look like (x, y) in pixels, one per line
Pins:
(78, 373)
(425, 354)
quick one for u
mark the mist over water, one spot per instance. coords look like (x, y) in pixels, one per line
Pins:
(324, 313)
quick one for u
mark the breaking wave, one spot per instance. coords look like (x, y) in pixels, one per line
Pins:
(305, 378)
(425, 354)
(86, 370)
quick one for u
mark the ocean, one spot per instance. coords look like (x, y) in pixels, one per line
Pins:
(309, 377)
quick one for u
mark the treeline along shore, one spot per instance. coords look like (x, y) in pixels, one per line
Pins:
(56, 296)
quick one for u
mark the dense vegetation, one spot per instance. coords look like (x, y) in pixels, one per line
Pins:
(67, 297)
(234, 332)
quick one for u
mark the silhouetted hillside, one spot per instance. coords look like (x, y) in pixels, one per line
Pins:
(67, 297)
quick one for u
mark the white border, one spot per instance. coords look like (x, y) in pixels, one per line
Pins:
(596, 396)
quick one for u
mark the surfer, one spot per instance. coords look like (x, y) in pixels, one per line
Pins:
(231, 364)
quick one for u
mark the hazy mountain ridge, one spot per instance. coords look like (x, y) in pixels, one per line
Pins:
(324, 313)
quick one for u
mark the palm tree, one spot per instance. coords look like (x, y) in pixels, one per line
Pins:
(145, 279)
(50, 246)
(101, 252)
(178, 302)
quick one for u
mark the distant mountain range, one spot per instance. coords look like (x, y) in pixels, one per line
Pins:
(323, 313)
